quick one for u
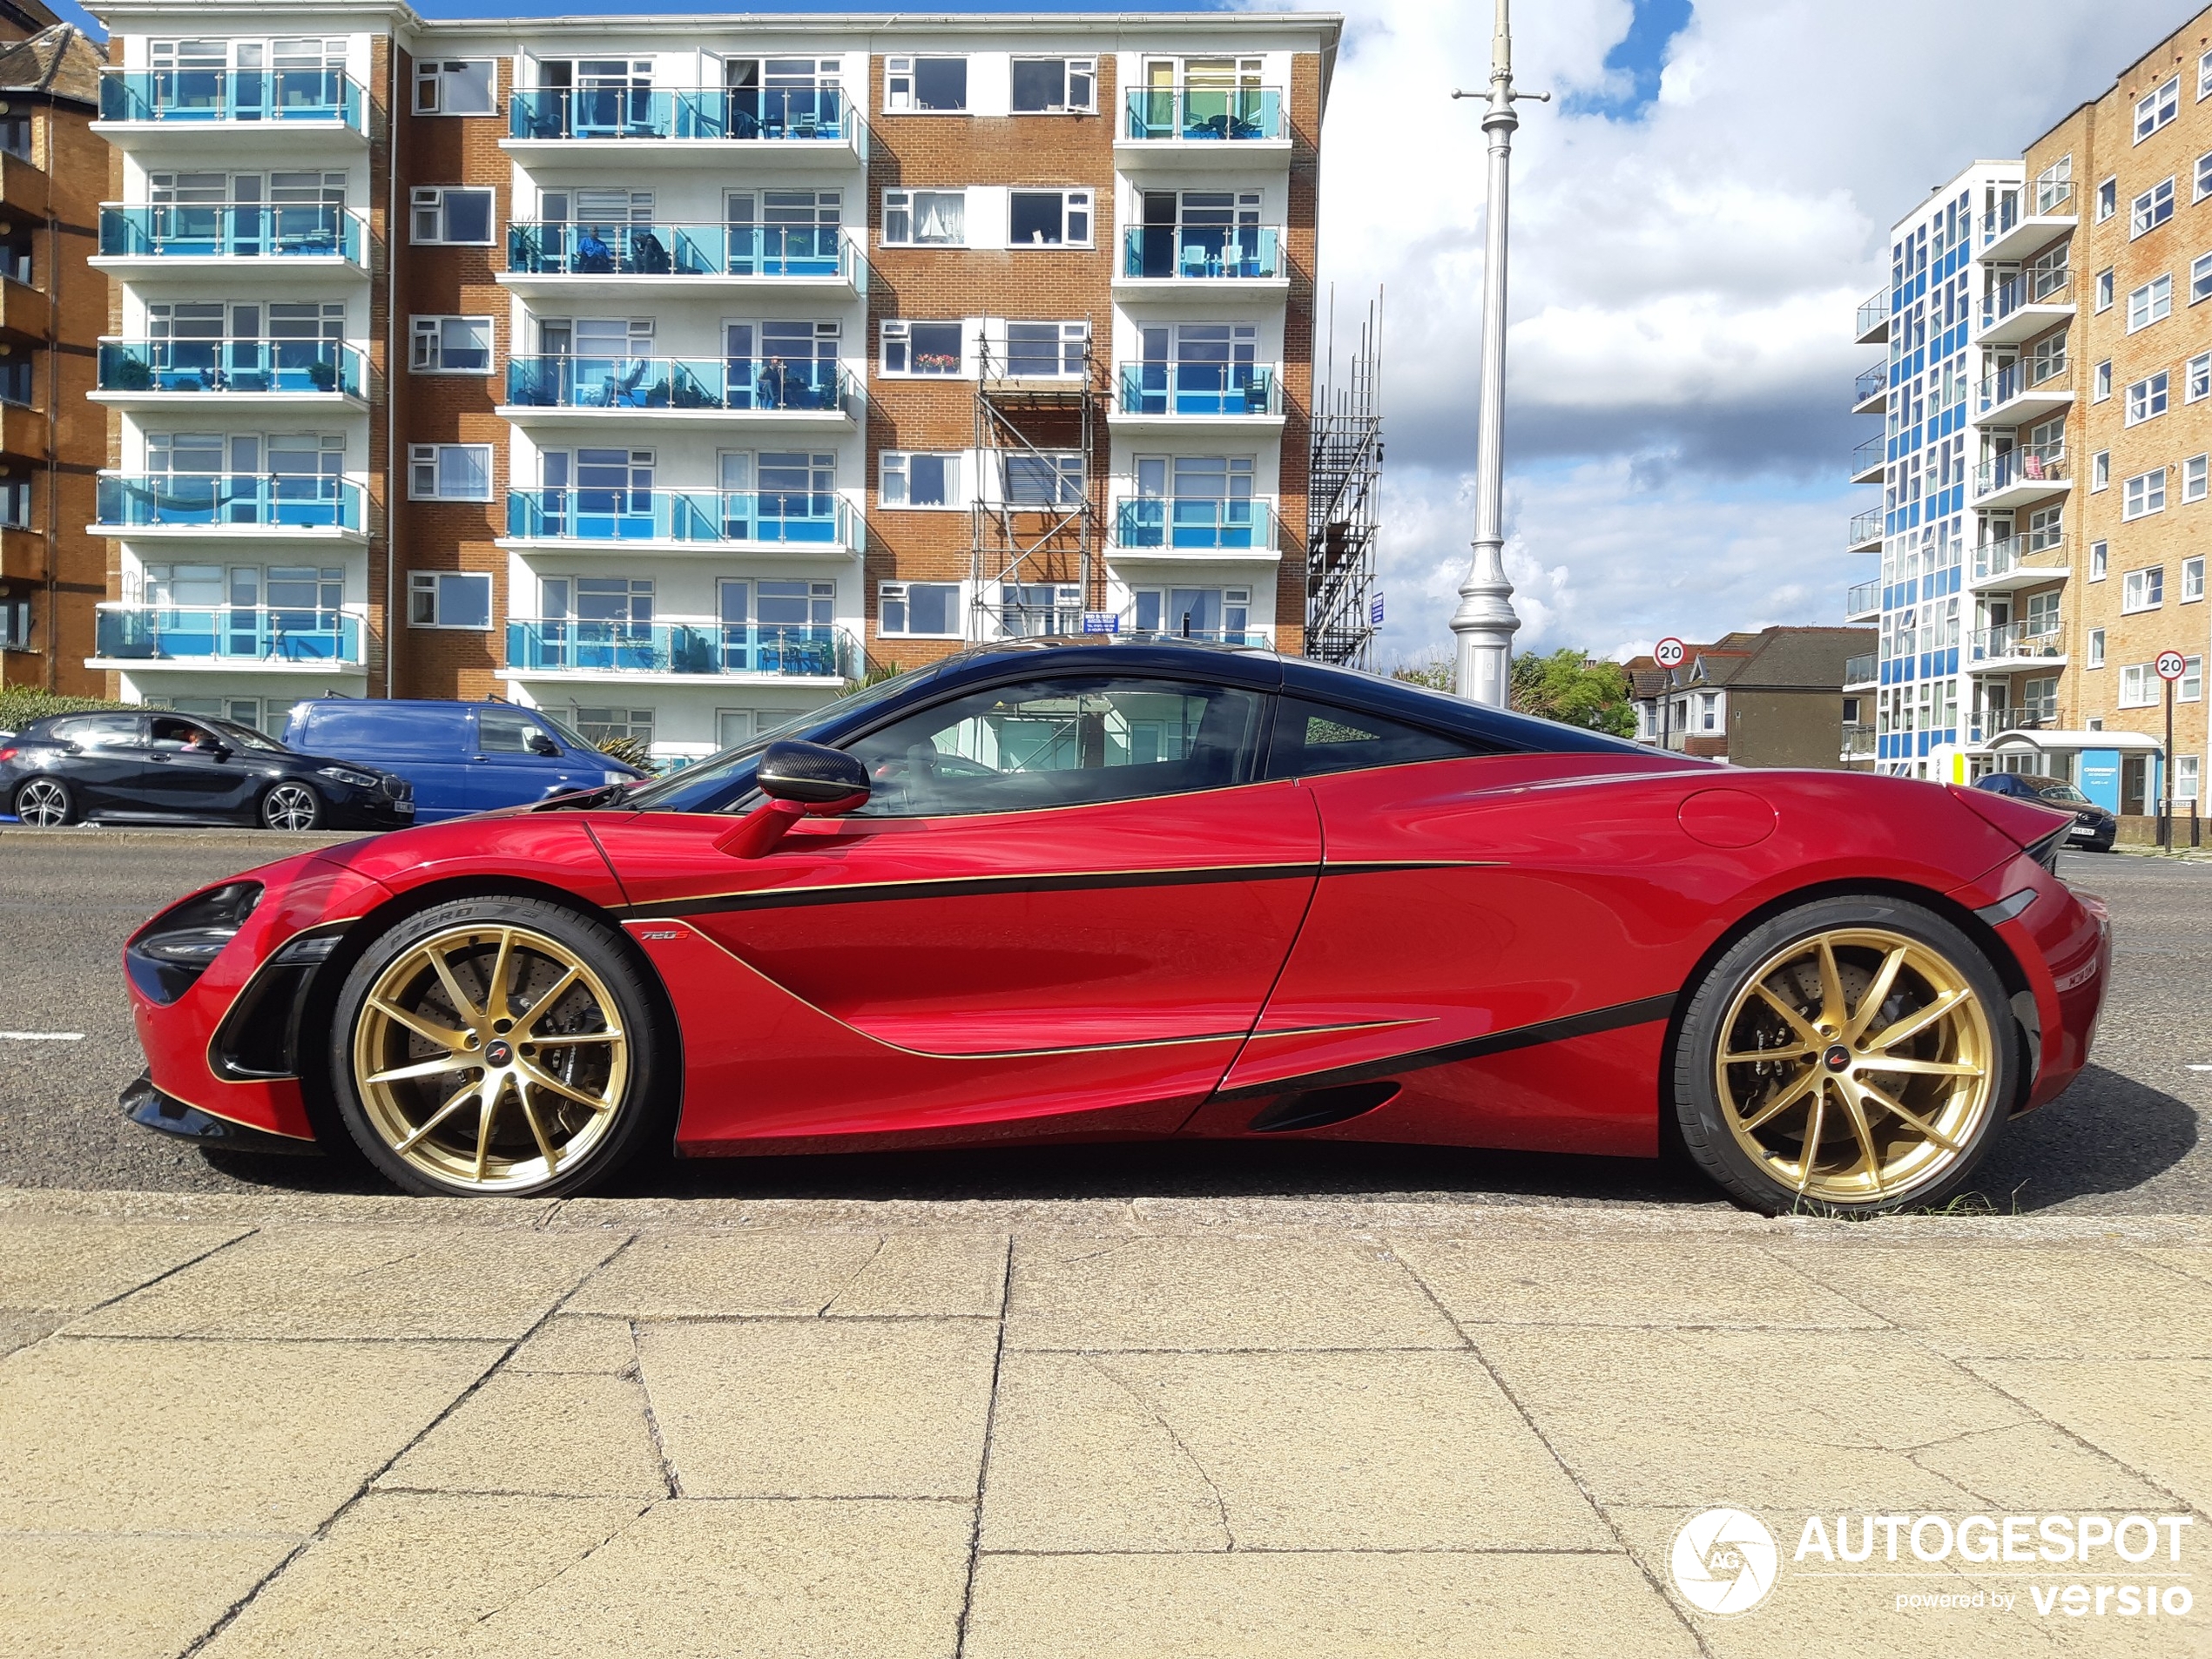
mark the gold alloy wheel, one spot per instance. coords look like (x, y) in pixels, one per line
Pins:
(1856, 1066)
(490, 1057)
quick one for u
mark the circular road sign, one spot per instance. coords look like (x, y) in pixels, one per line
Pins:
(1668, 653)
(2172, 665)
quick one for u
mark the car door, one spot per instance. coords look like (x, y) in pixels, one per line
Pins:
(195, 773)
(1064, 904)
(516, 761)
(107, 769)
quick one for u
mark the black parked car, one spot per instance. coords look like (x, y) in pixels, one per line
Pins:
(157, 767)
(2094, 827)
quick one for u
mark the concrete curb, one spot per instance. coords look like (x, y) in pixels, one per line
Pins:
(154, 835)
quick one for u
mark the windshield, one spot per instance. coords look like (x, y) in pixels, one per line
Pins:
(246, 737)
(2066, 793)
(721, 780)
(563, 731)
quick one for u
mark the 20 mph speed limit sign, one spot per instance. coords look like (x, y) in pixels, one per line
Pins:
(2172, 665)
(1669, 651)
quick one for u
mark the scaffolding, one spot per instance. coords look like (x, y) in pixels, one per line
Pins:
(1033, 572)
(1342, 499)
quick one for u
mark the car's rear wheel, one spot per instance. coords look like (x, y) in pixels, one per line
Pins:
(45, 803)
(498, 1046)
(1855, 1055)
(291, 806)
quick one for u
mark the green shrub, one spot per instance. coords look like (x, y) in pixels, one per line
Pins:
(631, 752)
(21, 704)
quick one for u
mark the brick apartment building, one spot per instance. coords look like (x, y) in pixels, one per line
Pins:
(1770, 698)
(53, 569)
(669, 375)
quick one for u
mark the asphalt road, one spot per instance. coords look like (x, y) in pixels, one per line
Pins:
(2129, 1136)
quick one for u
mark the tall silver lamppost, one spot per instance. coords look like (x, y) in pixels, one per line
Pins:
(1485, 621)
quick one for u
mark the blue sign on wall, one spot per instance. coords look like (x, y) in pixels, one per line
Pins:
(1374, 611)
(2099, 777)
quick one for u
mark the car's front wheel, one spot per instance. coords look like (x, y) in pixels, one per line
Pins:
(45, 803)
(291, 806)
(1854, 1055)
(497, 1046)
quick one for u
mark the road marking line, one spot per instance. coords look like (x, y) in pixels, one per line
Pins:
(2200, 1067)
(41, 1036)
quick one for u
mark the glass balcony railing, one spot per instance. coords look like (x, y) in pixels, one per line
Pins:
(681, 648)
(768, 518)
(1858, 741)
(683, 250)
(2015, 379)
(2036, 463)
(2029, 717)
(247, 230)
(226, 634)
(799, 114)
(2033, 637)
(735, 383)
(1203, 113)
(2029, 552)
(166, 366)
(1203, 251)
(1199, 388)
(1859, 671)
(288, 501)
(1874, 313)
(1871, 453)
(1865, 527)
(1870, 381)
(1863, 597)
(1159, 522)
(267, 97)
(2051, 286)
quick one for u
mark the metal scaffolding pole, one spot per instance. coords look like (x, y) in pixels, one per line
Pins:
(1342, 494)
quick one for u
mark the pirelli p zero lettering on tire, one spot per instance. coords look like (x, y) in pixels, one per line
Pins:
(1850, 1056)
(498, 1046)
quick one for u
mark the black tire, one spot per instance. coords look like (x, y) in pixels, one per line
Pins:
(42, 797)
(1993, 1050)
(292, 806)
(641, 1085)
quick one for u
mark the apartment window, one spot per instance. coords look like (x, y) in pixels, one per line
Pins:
(453, 214)
(599, 727)
(449, 599)
(1054, 85)
(2045, 528)
(1035, 349)
(2098, 553)
(2101, 382)
(456, 86)
(925, 218)
(2144, 494)
(912, 479)
(2204, 76)
(2139, 683)
(2185, 775)
(2143, 590)
(451, 346)
(2104, 289)
(2151, 209)
(16, 380)
(15, 503)
(921, 347)
(2197, 378)
(15, 135)
(2147, 398)
(2193, 580)
(1050, 478)
(2190, 687)
(2108, 200)
(2153, 302)
(2193, 478)
(2096, 648)
(449, 472)
(937, 84)
(2100, 470)
(918, 610)
(2155, 110)
(2203, 176)
(2054, 185)
(1049, 218)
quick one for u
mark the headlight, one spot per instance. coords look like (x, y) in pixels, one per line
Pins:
(173, 950)
(346, 775)
(618, 777)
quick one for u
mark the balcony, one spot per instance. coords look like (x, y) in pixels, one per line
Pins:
(630, 259)
(1859, 671)
(2021, 394)
(1185, 127)
(2024, 306)
(680, 650)
(2001, 567)
(797, 125)
(1195, 260)
(1858, 741)
(2007, 233)
(139, 373)
(2031, 473)
(1865, 535)
(303, 237)
(273, 506)
(1196, 396)
(1205, 527)
(25, 311)
(2032, 717)
(673, 389)
(138, 637)
(1863, 601)
(2027, 644)
(1874, 321)
(166, 102)
(1868, 460)
(1872, 390)
(697, 520)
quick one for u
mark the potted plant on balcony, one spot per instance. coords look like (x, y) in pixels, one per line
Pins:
(133, 375)
(322, 374)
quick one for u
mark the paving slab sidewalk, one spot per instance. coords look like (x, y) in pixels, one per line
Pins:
(242, 1426)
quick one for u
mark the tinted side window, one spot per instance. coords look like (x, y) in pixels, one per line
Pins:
(1061, 743)
(97, 731)
(384, 729)
(503, 734)
(1315, 738)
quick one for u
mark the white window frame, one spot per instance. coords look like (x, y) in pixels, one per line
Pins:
(2104, 289)
(2096, 648)
(432, 74)
(1072, 334)
(2197, 378)
(2101, 471)
(2194, 478)
(2192, 581)
(1078, 208)
(2149, 398)
(2157, 108)
(2138, 683)
(426, 354)
(2144, 215)
(2100, 557)
(900, 209)
(894, 343)
(2151, 304)
(895, 594)
(422, 585)
(2108, 200)
(2101, 382)
(901, 72)
(2142, 589)
(2143, 494)
(433, 457)
(1070, 69)
(431, 199)
(1069, 479)
(2185, 769)
(894, 471)
(2203, 176)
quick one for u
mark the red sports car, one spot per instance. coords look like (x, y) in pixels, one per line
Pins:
(1064, 892)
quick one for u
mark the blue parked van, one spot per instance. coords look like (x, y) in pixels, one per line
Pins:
(461, 757)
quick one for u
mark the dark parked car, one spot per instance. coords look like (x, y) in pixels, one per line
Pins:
(461, 758)
(2094, 827)
(157, 767)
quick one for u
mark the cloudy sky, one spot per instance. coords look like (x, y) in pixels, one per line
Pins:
(1697, 215)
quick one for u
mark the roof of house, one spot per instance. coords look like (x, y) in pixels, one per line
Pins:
(1774, 659)
(60, 61)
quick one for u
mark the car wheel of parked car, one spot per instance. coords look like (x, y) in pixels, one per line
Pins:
(291, 806)
(1851, 1057)
(45, 803)
(498, 1045)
